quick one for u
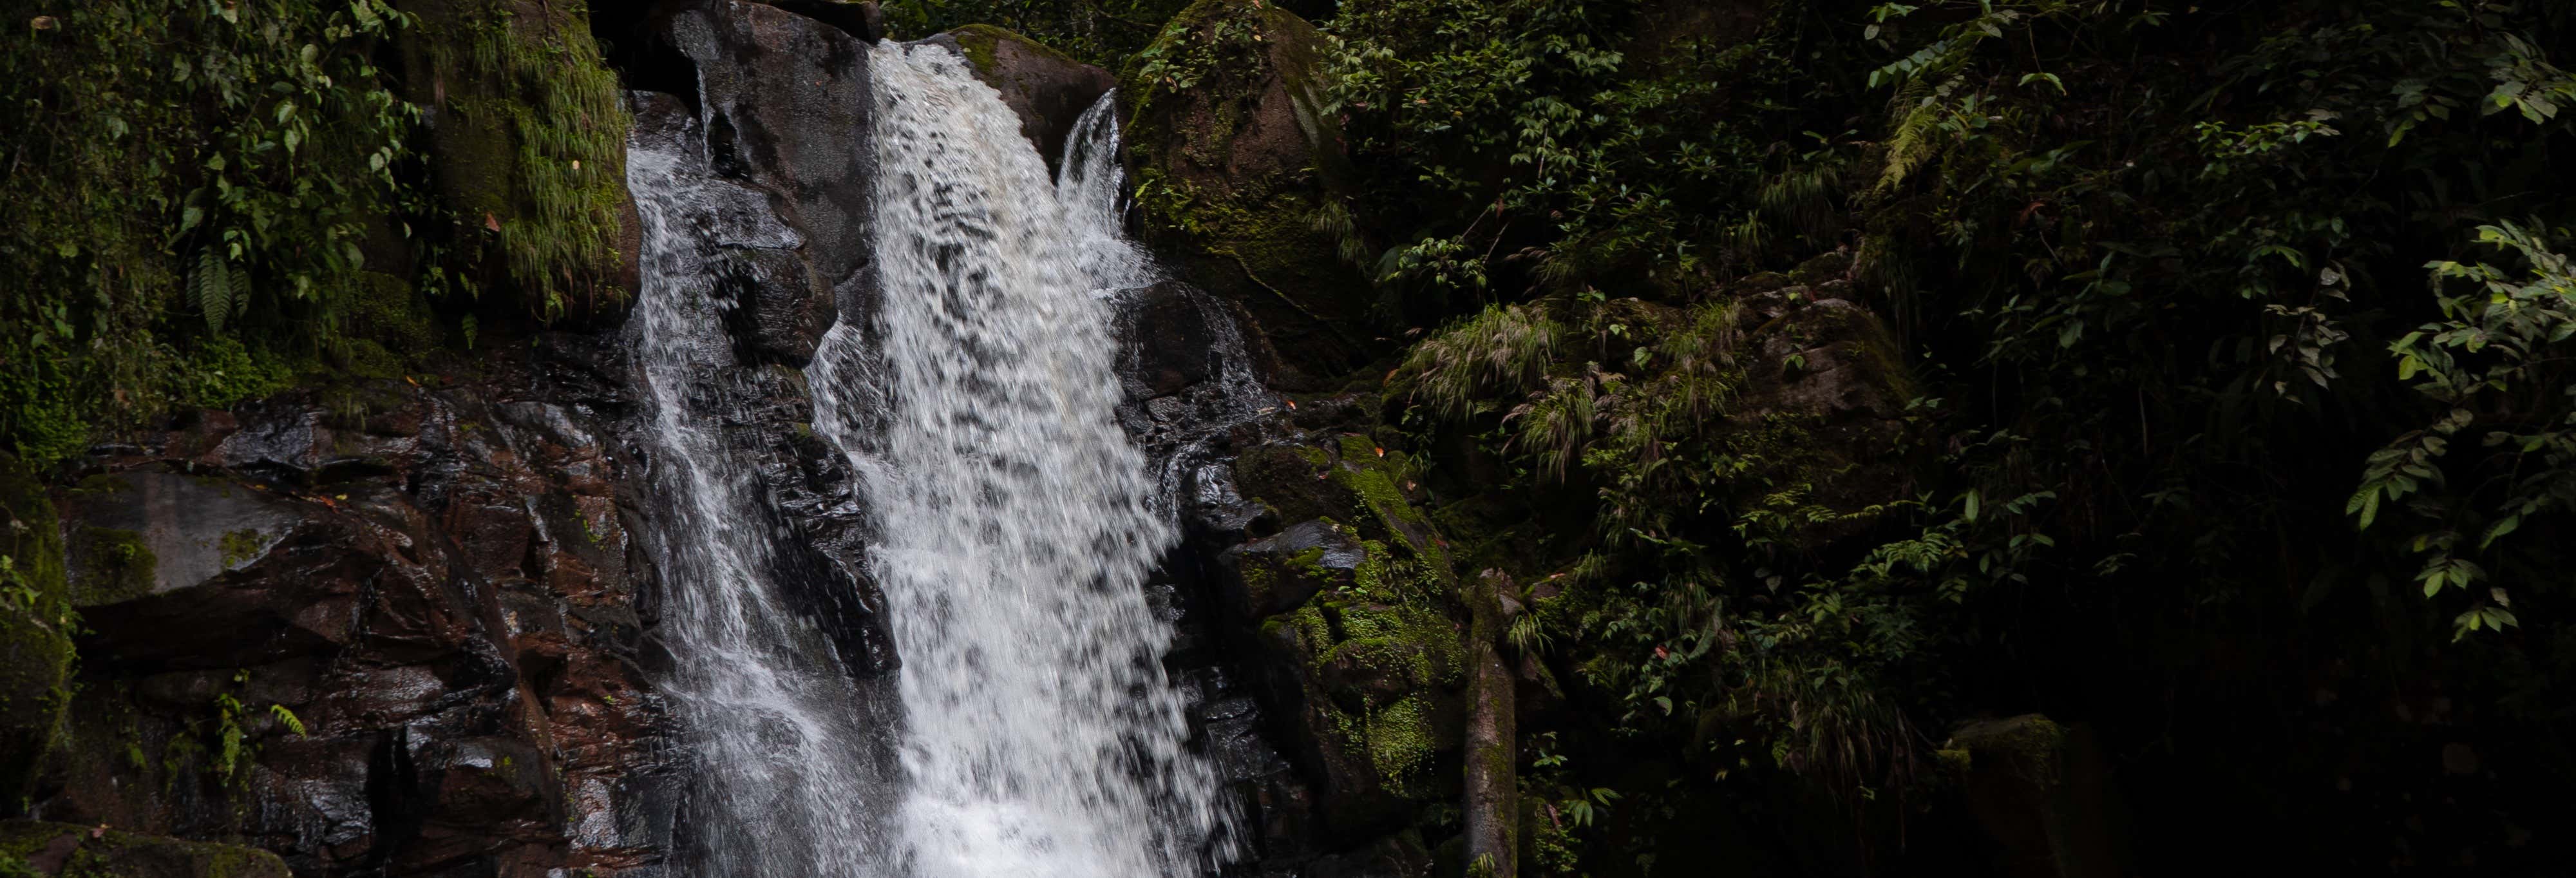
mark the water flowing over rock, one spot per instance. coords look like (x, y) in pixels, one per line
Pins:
(1015, 526)
(775, 725)
(884, 535)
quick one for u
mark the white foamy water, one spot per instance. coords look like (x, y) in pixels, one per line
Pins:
(1015, 523)
(772, 721)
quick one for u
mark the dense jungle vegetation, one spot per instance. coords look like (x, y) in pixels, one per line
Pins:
(205, 203)
(2232, 341)
(2230, 344)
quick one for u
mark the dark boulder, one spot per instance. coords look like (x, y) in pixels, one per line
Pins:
(2042, 792)
(782, 106)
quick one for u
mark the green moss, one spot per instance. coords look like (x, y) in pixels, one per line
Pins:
(979, 42)
(365, 358)
(1309, 562)
(1421, 644)
(392, 312)
(1374, 479)
(108, 853)
(36, 623)
(1399, 740)
(530, 152)
(115, 565)
(242, 546)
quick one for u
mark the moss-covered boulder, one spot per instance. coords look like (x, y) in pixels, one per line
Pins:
(1360, 631)
(36, 623)
(1825, 399)
(32, 848)
(1235, 166)
(1047, 89)
(2041, 790)
(527, 146)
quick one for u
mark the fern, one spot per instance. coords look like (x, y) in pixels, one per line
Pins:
(211, 287)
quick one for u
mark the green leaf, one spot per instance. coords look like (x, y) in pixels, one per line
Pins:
(2502, 527)
(2367, 503)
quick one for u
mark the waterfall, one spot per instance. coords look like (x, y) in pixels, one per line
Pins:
(1015, 523)
(1034, 726)
(773, 721)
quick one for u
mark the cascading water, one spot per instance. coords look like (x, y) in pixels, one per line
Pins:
(1015, 523)
(772, 718)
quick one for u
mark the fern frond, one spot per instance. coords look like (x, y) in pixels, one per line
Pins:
(210, 286)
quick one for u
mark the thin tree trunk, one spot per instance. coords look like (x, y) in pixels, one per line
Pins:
(1493, 790)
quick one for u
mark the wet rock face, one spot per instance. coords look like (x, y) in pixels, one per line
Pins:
(782, 108)
(780, 114)
(1047, 89)
(403, 639)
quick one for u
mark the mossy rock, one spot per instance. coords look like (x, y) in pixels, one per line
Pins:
(1374, 656)
(116, 565)
(1234, 162)
(2043, 792)
(32, 847)
(1292, 482)
(391, 312)
(527, 146)
(1049, 90)
(1824, 410)
(35, 624)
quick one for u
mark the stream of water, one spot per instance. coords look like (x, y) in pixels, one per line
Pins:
(1035, 729)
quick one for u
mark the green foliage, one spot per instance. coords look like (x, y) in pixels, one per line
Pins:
(188, 189)
(2155, 265)
(536, 154)
(2497, 359)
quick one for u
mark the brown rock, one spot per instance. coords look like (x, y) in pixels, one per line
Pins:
(1047, 89)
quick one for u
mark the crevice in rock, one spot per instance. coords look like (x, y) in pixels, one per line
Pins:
(630, 40)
